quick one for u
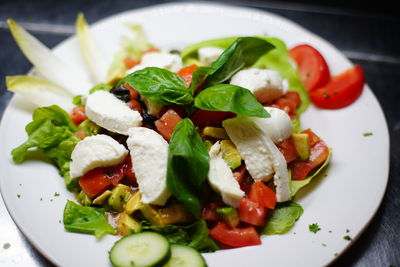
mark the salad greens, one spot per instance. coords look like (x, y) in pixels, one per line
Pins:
(283, 218)
(226, 97)
(88, 220)
(188, 164)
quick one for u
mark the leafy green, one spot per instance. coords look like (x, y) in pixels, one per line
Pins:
(160, 86)
(296, 185)
(77, 100)
(100, 87)
(198, 78)
(226, 97)
(194, 235)
(88, 220)
(188, 164)
(51, 132)
(243, 52)
(283, 218)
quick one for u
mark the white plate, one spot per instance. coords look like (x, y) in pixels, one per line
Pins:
(346, 199)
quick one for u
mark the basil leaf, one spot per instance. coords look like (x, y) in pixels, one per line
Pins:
(245, 51)
(198, 78)
(159, 85)
(188, 163)
(283, 217)
(226, 97)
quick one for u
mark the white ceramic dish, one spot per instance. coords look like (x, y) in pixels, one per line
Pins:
(346, 199)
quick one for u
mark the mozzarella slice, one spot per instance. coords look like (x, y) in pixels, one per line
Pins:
(221, 179)
(266, 85)
(262, 157)
(164, 60)
(107, 111)
(96, 151)
(149, 153)
(278, 127)
(209, 54)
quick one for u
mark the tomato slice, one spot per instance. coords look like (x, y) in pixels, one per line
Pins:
(313, 69)
(134, 105)
(209, 212)
(263, 195)
(312, 137)
(78, 115)
(251, 212)
(341, 91)
(132, 92)
(130, 62)
(288, 149)
(235, 236)
(166, 124)
(187, 72)
(130, 177)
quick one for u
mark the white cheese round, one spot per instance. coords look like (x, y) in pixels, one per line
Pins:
(208, 54)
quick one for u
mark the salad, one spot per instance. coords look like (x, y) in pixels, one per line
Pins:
(194, 151)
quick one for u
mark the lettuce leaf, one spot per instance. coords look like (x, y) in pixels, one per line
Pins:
(91, 53)
(88, 220)
(40, 92)
(283, 217)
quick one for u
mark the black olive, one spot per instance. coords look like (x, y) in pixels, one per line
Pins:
(175, 51)
(121, 92)
(149, 119)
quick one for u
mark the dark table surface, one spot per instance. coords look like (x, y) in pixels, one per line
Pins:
(367, 34)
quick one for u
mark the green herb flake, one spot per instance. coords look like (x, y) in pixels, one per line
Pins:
(314, 227)
(347, 237)
(347, 231)
(336, 254)
(18, 195)
(367, 134)
(323, 244)
(56, 194)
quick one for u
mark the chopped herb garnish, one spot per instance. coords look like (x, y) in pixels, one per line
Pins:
(329, 231)
(56, 194)
(367, 134)
(19, 196)
(323, 244)
(6, 245)
(347, 230)
(41, 199)
(347, 237)
(314, 228)
(336, 254)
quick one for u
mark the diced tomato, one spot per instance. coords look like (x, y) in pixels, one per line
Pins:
(294, 97)
(235, 236)
(187, 72)
(133, 93)
(166, 124)
(239, 173)
(209, 118)
(313, 69)
(263, 195)
(78, 115)
(318, 154)
(288, 149)
(312, 137)
(151, 50)
(130, 62)
(135, 105)
(341, 91)
(251, 212)
(129, 174)
(80, 134)
(209, 212)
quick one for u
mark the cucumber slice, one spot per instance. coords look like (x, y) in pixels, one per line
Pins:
(184, 256)
(140, 250)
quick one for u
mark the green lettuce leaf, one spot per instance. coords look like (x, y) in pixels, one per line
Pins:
(194, 235)
(88, 220)
(296, 185)
(226, 97)
(283, 218)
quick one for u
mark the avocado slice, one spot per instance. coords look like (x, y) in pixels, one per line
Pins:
(83, 199)
(102, 198)
(133, 203)
(229, 215)
(119, 196)
(215, 132)
(175, 213)
(126, 225)
(302, 143)
(230, 154)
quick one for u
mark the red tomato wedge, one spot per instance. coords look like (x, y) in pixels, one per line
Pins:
(312, 136)
(187, 72)
(133, 93)
(318, 154)
(209, 212)
(263, 195)
(288, 149)
(209, 118)
(236, 236)
(166, 124)
(78, 115)
(341, 91)
(134, 105)
(251, 212)
(313, 69)
(130, 177)
(130, 62)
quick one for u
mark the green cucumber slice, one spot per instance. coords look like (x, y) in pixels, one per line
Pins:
(184, 256)
(140, 250)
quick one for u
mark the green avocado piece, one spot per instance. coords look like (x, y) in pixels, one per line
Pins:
(83, 199)
(230, 154)
(229, 215)
(119, 196)
(302, 143)
(215, 132)
(126, 225)
(102, 198)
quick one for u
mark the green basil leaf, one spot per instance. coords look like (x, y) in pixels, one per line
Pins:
(188, 163)
(283, 217)
(198, 77)
(226, 97)
(159, 85)
(245, 51)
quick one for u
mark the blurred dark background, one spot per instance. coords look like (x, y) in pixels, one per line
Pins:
(367, 32)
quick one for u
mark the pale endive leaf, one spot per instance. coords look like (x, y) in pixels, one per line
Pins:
(91, 53)
(40, 92)
(46, 63)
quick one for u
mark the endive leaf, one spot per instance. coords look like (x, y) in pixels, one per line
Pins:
(46, 63)
(91, 53)
(40, 92)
